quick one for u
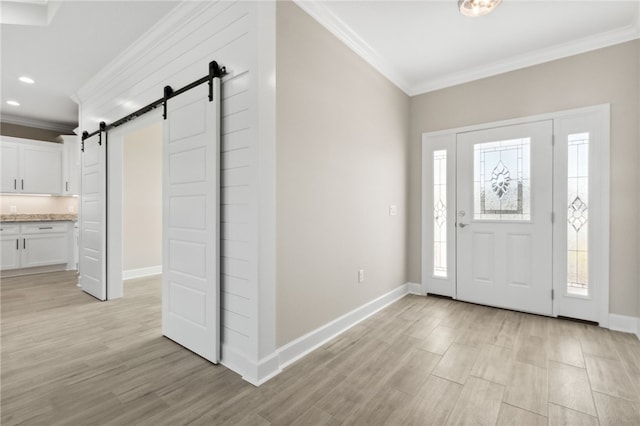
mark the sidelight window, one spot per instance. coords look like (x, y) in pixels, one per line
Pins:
(578, 214)
(440, 213)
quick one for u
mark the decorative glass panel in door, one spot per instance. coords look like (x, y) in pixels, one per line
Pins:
(502, 182)
(504, 229)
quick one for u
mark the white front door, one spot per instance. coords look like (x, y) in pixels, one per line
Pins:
(93, 219)
(504, 217)
(190, 279)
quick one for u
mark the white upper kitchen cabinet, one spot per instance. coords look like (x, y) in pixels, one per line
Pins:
(9, 167)
(71, 174)
(31, 167)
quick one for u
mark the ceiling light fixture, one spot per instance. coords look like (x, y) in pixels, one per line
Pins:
(13, 103)
(475, 8)
(26, 79)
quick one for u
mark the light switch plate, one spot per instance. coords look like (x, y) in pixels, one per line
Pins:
(393, 210)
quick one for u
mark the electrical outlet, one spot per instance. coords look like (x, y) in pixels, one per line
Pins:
(361, 275)
(13, 209)
(393, 210)
(70, 209)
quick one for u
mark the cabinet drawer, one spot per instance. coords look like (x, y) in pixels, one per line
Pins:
(9, 229)
(44, 227)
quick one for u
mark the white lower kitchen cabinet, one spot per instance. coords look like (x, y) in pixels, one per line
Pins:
(9, 246)
(35, 247)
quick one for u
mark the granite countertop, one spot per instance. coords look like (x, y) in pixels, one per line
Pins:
(49, 217)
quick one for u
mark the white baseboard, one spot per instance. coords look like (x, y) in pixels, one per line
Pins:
(300, 347)
(624, 323)
(415, 288)
(141, 272)
(266, 368)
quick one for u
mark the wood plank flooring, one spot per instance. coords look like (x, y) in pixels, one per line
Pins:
(68, 359)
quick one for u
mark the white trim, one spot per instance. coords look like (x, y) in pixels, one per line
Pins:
(64, 128)
(300, 347)
(415, 288)
(254, 373)
(264, 190)
(141, 272)
(527, 59)
(624, 323)
(270, 366)
(519, 120)
(321, 13)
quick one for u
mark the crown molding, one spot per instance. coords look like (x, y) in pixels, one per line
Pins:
(160, 31)
(318, 11)
(586, 44)
(64, 128)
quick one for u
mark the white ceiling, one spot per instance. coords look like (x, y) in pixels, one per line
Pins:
(426, 45)
(79, 39)
(419, 45)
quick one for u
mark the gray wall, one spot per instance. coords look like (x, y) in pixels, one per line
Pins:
(342, 158)
(609, 75)
(17, 131)
(142, 198)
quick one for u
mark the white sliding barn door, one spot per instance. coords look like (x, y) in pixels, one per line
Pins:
(190, 280)
(93, 219)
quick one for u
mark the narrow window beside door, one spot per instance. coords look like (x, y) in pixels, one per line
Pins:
(578, 214)
(440, 213)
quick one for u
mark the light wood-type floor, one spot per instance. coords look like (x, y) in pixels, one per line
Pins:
(69, 359)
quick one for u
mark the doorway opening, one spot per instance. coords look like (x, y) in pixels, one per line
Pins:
(142, 204)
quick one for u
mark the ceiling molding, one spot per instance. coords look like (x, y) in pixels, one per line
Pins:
(318, 11)
(63, 128)
(597, 41)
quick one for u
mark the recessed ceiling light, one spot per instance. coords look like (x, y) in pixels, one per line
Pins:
(26, 79)
(13, 103)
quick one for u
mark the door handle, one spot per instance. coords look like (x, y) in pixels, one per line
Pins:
(22, 182)
(462, 225)
(15, 184)
(17, 243)
(24, 243)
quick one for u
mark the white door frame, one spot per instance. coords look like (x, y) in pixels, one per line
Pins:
(115, 191)
(600, 229)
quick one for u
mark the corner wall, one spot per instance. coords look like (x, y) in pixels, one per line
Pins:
(175, 52)
(607, 75)
(342, 158)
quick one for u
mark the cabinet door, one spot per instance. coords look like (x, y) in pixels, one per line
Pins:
(42, 169)
(71, 164)
(8, 167)
(9, 252)
(44, 249)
